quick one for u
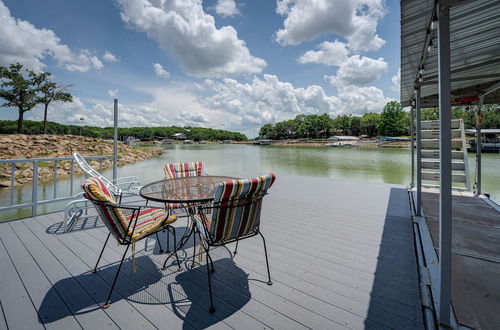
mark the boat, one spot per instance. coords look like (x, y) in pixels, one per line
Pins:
(490, 140)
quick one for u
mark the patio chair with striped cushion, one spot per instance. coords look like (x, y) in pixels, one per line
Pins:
(127, 223)
(181, 170)
(234, 215)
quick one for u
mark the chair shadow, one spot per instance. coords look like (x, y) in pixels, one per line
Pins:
(190, 296)
(70, 289)
(83, 223)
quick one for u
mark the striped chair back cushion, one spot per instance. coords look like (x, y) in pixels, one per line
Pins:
(96, 191)
(237, 207)
(179, 170)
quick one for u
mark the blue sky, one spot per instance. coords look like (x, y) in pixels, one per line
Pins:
(229, 64)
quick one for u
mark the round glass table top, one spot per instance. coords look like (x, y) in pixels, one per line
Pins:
(183, 190)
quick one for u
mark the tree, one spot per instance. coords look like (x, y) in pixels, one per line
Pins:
(392, 120)
(369, 123)
(47, 92)
(17, 90)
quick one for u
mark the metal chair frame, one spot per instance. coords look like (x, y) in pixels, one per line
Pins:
(127, 240)
(211, 243)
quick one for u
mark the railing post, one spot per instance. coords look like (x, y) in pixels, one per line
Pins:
(72, 172)
(418, 110)
(12, 181)
(34, 193)
(412, 145)
(55, 179)
(115, 140)
(445, 196)
(479, 123)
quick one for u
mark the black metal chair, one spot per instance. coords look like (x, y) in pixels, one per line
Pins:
(234, 215)
(127, 223)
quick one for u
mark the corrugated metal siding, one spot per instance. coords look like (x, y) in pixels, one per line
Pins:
(474, 44)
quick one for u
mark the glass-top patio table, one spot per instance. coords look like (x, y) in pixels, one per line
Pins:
(184, 190)
(187, 192)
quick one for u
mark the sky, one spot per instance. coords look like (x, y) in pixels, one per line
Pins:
(225, 64)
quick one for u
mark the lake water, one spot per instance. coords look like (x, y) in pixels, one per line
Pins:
(385, 165)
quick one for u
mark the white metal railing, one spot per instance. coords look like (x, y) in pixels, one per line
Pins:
(34, 184)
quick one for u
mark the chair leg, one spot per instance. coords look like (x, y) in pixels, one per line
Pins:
(211, 263)
(269, 282)
(159, 243)
(168, 241)
(236, 248)
(108, 300)
(211, 310)
(100, 255)
(175, 246)
(194, 248)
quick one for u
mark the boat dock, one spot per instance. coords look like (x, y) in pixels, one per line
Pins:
(342, 256)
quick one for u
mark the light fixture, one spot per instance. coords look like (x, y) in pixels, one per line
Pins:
(434, 22)
(430, 47)
(422, 70)
(420, 79)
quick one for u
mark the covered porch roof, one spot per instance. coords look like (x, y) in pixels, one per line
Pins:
(474, 48)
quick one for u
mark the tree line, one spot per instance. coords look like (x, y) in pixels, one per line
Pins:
(24, 89)
(392, 121)
(142, 133)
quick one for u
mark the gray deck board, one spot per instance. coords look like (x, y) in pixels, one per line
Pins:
(341, 256)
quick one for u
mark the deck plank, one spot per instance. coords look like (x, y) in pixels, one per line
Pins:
(14, 297)
(55, 314)
(336, 263)
(63, 284)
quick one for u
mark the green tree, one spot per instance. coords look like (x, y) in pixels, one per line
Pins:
(369, 123)
(48, 92)
(355, 125)
(18, 90)
(392, 120)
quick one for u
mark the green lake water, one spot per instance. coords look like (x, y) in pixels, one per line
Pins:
(384, 165)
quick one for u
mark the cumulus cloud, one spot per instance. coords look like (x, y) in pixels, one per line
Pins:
(160, 71)
(358, 71)
(226, 8)
(359, 100)
(183, 29)
(190, 118)
(113, 92)
(356, 20)
(396, 81)
(22, 42)
(329, 53)
(108, 57)
(264, 100)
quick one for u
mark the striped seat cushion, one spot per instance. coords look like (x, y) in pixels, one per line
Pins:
(202, 221)
(113, 217)
(181, 170)
(149, 221)
(237, 207)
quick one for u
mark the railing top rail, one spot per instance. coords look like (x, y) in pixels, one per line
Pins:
(24, 160)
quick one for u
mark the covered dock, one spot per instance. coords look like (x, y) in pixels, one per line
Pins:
(450, 52)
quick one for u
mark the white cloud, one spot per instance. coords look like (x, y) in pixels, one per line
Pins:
(396, 81)
(113, 92)
(189, 118)
(356, 20)
(160, 71)
(329, 53)
(22, 42)
(359, 100)
(108, 57)
(358, 71)
(183, 29)
(226, 8)
(264, 100)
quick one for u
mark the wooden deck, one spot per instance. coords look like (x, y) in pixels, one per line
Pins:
(341, 256)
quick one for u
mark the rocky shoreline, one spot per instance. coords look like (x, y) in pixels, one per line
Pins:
(18, 146)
